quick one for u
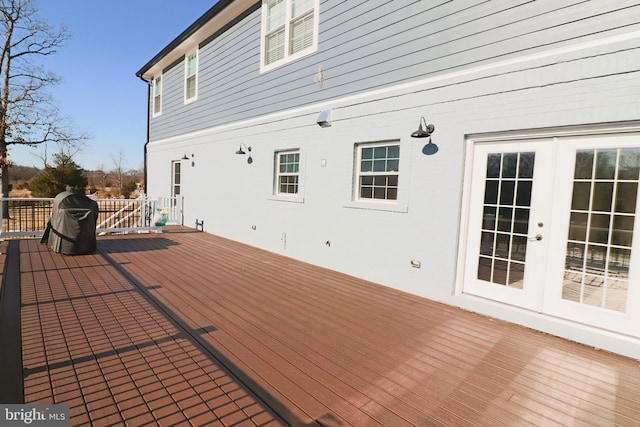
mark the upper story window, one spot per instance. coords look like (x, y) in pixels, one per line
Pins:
(377, 171)
(287, 172)
(289, 30)
(191, 76)
(157, 95)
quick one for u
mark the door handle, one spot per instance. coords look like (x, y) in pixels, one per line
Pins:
(537, 237)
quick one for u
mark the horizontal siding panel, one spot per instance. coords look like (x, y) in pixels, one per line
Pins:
(363, 48)
(221, 61)
(446, 52)
(395, 71)
(232, 47)
(395, 19)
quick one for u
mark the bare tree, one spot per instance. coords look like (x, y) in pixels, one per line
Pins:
(118, 162)
(28, 115)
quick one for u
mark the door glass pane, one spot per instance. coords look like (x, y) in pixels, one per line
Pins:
(581, 196)
(626, 197)
(521, 221)
(505, 219)
(503, 243)
(629, 159)
(509, 165)
(523, 194)
(605, 164)
(518, 244)
(601, 228)
(575, 257)
(484, 268)
(602, 196)
(578, 227)
(525, 170)
(507, 192)
(489, 218)
(622, 230)
(516, 275)
(584, 164)
(486, 243)
(493, 165)
(491, 192)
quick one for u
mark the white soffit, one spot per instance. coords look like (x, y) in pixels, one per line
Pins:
(224, 17)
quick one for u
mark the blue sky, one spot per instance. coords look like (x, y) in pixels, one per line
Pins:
(99, 92)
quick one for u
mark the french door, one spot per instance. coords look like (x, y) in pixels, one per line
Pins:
(552, 228)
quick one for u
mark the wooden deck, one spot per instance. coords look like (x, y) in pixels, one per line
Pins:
(188, 328)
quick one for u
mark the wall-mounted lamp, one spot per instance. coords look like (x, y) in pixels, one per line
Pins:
(241, 151)
(186, 157)
(425, 132)
(324, 119)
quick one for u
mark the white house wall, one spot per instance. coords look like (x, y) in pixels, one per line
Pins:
(594, 82)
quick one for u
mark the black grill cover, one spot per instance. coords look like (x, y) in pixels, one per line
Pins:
(72, 227)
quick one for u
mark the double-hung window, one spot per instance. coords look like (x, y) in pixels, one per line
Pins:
(157, 95)
(377, 171)
(289, 30)
(191, 76)
(287, 169)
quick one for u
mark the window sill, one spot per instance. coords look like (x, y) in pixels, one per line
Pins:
(289, 199)
(286, 60)
(190, 100)
(378, 206)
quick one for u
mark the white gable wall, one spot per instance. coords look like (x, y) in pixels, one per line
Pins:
(594, 83)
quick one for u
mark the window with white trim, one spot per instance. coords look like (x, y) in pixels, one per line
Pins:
(287, 170)
(191, 76)
(377, 171)
(176, 173)
(289, 30)
(157, 95)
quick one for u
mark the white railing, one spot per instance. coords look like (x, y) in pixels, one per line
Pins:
(28, 217)
(172, 208)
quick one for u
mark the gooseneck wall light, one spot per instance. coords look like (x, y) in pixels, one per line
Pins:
(424, 131)
(241, 152)
(186, 157)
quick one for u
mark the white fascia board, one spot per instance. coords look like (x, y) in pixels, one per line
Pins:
(223, 18)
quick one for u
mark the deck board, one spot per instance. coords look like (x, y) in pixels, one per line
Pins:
(358, 345)
(316, 346)
(98, 344)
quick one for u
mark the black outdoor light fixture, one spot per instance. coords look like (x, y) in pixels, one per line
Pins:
(186, 157)
(424, 131)
(241, 151)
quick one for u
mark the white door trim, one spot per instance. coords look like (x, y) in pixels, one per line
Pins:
(467, 198)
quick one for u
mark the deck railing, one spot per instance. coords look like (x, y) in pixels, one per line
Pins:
(28, 217)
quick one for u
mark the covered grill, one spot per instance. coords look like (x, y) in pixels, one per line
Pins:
(71, 230)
